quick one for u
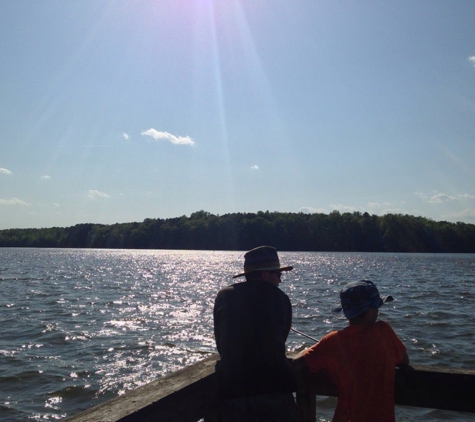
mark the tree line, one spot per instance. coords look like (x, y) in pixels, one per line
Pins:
(339, 232)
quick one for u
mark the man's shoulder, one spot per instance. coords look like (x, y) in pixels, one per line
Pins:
(232, 289)
(234, 286)
(253, 288)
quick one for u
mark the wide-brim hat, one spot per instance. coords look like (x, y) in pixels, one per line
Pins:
(356, 298)
(263, 258)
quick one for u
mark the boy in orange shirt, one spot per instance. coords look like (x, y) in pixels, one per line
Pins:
(361, 358)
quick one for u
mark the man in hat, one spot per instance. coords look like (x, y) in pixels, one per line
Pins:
(252, 320)
(361, 358)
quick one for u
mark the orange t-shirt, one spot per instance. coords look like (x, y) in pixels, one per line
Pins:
(361, 360)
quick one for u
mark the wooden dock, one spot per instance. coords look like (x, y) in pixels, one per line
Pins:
(190, 394)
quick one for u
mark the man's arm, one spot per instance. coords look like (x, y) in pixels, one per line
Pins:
(216, 322)
(298, 361)
(405, 358)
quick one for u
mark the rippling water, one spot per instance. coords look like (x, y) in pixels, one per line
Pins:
(79, 327)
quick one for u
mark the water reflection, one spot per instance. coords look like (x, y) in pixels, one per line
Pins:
(85, 325)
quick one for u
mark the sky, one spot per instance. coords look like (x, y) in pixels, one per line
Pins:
(117, 111)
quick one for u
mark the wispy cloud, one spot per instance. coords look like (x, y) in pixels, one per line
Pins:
(467, 214)
(343, 208)
(46, 177)
(377, 208)
(440, 198)
(466, 196)
(471, 59)
(311, 210)
(5, 171)
(13, 201)
(382, 208)
(165, 136)
(95, 194)
(125, 136)
(374, 205)
(255, 167)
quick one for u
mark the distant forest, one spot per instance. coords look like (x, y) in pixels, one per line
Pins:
(342, 232)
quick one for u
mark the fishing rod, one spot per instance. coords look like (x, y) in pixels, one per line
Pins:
(303, 334)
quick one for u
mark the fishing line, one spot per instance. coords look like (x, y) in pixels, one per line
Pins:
(303, 334)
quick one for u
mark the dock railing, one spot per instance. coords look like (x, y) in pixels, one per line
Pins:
(191, 394)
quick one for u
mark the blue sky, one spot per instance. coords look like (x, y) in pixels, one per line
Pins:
(117, 111)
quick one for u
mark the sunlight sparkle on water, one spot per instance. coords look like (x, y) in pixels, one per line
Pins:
(149, 313)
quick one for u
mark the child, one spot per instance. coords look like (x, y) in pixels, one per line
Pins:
(361, 358)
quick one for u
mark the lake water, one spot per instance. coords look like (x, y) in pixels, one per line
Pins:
(79, 327)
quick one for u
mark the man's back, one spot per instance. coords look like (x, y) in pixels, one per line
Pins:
(252, 321)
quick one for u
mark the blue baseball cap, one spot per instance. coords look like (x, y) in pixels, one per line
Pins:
(357, 297)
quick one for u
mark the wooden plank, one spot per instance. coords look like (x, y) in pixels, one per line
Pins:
(186, 395)
(415, 385)
(434, 387)
(191, 394)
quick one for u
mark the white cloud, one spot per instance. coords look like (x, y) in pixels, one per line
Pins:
(382, 208)
(177, 140)
(46, 177)
(13, 201)
(125, 136)
(375, 205)
(436, 197)
(343, 208)
(94, 194)
(311, 210)
(5, 171)
(466, 196)
(467, 214)
(255, 167)
(440, 198)
(470, 213)
(471, 59)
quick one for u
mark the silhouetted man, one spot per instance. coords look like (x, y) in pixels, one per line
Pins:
(252, 320)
